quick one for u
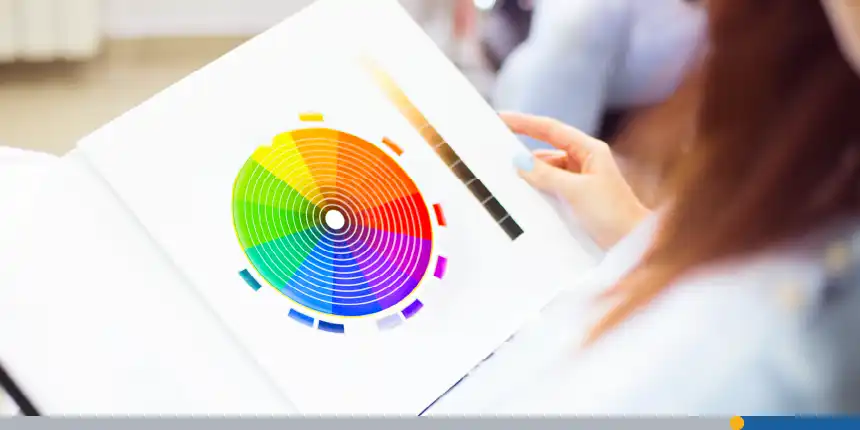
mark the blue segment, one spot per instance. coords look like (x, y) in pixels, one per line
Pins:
(278, 270)
(331, 327)
(311, 283)
(355, 294)
(249, 278)
(302, 318)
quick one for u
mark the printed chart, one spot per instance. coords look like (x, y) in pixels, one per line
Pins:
(336, 225)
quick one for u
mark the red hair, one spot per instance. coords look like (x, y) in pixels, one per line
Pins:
(772, 123)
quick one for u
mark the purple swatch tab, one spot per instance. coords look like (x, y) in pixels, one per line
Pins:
(412, 309)
(441, 265)
(389, 322)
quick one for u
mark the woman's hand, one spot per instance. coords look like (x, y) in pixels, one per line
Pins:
(583, 172)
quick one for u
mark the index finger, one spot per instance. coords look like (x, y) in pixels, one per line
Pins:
(554, 132)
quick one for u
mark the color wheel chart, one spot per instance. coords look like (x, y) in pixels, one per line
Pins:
(336, 225)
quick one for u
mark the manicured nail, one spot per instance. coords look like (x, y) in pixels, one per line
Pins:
(524, 161)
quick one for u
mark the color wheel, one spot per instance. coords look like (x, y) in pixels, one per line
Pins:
(334, 223)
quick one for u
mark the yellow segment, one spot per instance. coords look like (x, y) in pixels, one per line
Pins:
(737, 423)
(284, 161)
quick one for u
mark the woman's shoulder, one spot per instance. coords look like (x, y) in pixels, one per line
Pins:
(775, 332)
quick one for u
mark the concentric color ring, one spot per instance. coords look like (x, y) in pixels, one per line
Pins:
(365, 257)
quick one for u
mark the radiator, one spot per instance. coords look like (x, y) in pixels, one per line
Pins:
(46, 30)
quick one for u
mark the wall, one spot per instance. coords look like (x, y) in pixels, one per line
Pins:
(142, 18)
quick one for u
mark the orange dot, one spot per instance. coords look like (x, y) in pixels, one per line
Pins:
(737, 423)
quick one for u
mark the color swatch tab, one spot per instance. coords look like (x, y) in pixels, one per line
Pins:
(334, 223)
(430, 135)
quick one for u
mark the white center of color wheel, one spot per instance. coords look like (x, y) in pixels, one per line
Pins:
(334, 219)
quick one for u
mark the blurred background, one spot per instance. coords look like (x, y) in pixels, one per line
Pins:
(69, 66)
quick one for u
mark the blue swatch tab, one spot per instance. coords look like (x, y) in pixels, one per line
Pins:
(330, 327)
(249, 278)
(302, 318)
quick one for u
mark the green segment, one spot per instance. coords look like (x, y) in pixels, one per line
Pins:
(279, 259)
(266, 208)
(256, 223)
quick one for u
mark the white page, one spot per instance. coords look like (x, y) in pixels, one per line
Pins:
(174, 161)
(94, 319)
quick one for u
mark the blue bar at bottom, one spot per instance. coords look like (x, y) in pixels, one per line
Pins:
(790, 423)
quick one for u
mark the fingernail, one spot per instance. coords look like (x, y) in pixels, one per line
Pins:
(524, 161)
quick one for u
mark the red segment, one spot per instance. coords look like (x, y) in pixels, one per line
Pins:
(406, 215)
(440, 217)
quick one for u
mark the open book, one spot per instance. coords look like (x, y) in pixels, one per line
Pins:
(324, 221)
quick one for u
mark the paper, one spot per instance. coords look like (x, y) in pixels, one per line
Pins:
(345, 202)
(95, 319)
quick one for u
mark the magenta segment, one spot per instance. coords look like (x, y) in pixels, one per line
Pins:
(394, 264)
(441, 265)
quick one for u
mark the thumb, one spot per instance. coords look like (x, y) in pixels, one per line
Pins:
(543, 176)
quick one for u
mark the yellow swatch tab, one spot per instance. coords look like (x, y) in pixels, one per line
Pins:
(284, 161)
(311, 117)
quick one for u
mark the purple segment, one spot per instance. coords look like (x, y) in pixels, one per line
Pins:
(441, 265)
(412, 309)
(392, 263)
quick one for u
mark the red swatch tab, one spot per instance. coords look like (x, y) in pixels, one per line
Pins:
(440, 216)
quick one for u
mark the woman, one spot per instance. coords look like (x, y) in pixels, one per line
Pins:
(743, 295)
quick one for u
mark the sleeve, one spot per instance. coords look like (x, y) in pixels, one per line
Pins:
(564, 68)
(623, 257)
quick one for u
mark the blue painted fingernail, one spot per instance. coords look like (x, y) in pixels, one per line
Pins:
(524, 161)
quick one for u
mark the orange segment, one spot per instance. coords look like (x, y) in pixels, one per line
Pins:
(365, 170)
(319, 148)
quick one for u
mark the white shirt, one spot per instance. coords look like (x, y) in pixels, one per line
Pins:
(732, 339)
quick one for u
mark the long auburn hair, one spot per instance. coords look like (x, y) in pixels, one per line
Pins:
(771, 126)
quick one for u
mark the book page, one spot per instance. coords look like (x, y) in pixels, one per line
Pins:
(94, 319)
(346, 202)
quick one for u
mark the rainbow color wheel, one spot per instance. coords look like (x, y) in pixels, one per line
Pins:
(333, 222)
